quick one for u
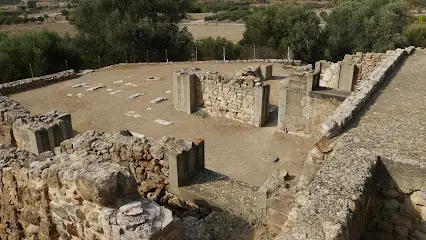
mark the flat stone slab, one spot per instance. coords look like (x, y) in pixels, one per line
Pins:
(115, 92)
(168, 91)
(79, 95)
(95, 88)
(135, 95)
(163, 122)
(80, 85)
(271, 158)
(159, 99)
(119, 81)
(138, 135)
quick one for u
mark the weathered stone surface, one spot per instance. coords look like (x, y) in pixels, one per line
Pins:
(271, 158)
(418, 198)
(194, 229)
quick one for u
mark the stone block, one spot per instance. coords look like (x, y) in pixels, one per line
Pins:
(266, 71)
(66, 125)
(184, 92)
(346, 76)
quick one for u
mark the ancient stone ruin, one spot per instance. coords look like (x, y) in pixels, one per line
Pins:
(355, 184)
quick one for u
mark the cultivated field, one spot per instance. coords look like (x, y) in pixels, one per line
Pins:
(232, 148)
(62, 28)
(230, 31)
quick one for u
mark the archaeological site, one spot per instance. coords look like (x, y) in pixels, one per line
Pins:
(243, 149)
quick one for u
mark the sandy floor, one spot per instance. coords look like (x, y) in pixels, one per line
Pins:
(232, 148)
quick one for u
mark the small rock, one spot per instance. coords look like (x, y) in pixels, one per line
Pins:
(271, 158)
(132, 209)
(418, 198)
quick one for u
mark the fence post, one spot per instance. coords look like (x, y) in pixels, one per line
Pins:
(167, 58)
(66, 63)
(224, 53)
(196, 53)
(99, 62)
(147, 56)
(254, 52)
(31, 69)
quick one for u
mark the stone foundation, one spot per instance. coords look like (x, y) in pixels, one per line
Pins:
(242, 97)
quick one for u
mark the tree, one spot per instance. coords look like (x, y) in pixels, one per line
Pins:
(284, 26)
(366, 25)
(212, 49)
(45, 51)
(120, 31)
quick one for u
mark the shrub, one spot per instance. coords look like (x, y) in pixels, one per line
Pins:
(324, 15)
(46, 16)
(422, 18)
(25, 20)
(33, 19)
(2, 19)
(65, 12)
(40, 19)
(416, 34)
(69, 5)
(17, 20)
(212, 49)
(9, 20)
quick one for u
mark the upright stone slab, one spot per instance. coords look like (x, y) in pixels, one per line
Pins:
(66, 125)
(184, 92)
(292, 93)
(346, 76)
(266, 71)
(282, 103)
(261, 104)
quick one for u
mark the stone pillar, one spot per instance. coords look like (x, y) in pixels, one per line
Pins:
(266, 71)
(66, 125)
(346, 76)
(290, 110)
(184, 166)
(261, 104)
(184, 92)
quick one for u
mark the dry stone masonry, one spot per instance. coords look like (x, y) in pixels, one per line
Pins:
(158, 165)
(36, 82)
(71, 196)
(242, 97)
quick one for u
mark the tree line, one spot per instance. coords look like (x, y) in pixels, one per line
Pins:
(113, 31)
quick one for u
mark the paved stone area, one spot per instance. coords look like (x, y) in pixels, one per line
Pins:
(232, 148)
(393, 125)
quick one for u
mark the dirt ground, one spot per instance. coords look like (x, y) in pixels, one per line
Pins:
(230, 31)
(232, 148)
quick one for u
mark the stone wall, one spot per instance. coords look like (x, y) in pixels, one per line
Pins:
(242, 97)
(156, 164)
(364, 64)
(299, 110)
(36, 82)
(395, 214)
(345, 111)
(72, 196)
(36, 133)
